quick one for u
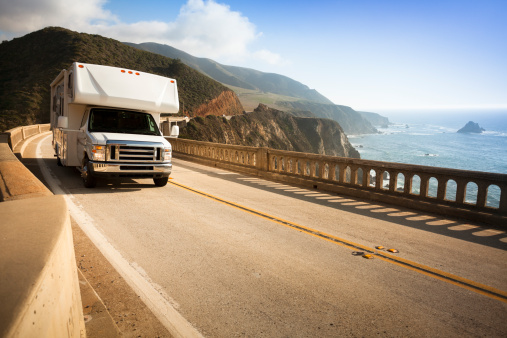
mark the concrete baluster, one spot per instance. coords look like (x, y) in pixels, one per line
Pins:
(407, 189)
(460, 191)
(424, 185)
(503, 199)
(482, 194)
(442, 187)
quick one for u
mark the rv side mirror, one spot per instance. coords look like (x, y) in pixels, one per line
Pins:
(63, 122)
(175, 131)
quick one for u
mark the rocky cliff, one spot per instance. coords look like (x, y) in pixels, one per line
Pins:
(227, 103)
(267, 127)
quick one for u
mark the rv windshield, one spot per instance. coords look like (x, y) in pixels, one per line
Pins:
(122, 121)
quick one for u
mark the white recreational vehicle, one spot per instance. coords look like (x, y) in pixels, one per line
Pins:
(105, 121)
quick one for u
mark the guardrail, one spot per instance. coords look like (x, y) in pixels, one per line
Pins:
(476, 196)
(39, 286)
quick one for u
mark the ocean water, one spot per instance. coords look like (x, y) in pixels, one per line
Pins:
(431, 138)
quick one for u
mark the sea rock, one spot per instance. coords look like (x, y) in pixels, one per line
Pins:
(471, 127)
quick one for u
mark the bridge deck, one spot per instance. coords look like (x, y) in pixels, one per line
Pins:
(234, 254)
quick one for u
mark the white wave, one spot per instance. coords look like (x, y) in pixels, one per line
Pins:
(494, 133)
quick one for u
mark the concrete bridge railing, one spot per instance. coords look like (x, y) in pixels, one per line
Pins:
(39, 286)
(476, 196)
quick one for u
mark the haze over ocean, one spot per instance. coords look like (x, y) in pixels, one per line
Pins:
(431, 138)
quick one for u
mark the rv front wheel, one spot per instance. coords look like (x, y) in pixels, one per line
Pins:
(160, 182)
(88, 180)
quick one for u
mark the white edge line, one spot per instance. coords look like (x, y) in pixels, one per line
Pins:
(173, 321)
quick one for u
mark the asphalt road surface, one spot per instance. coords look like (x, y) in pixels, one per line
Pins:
(220, 254)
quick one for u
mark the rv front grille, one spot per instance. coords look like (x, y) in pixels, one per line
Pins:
(130, 153)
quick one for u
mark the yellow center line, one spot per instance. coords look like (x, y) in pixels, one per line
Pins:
(411, 265)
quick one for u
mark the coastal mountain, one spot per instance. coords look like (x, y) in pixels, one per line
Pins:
(277, 91)
(30, 63)
(268, 127)
(471, 127)
(240, 77)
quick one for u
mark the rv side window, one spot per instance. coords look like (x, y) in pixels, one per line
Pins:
(70, 85)
(84, 119)
(152, 125)
(58, 100)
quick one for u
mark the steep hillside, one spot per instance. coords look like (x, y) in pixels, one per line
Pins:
(238, 76)
(29, 64)
(351, 121)
(277, 91)
(268, 127)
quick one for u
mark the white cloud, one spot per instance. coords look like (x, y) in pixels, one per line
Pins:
(24, 16)
(203, 28)
(212, 29)
(269, 57)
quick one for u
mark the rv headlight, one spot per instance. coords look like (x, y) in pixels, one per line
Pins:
(167, 154)
(98, 153)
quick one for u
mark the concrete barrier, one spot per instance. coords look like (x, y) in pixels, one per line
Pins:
(458, 193)
(19, 134)
(16, 181)
(39, 285)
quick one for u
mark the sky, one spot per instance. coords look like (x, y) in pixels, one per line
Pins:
(372, 55)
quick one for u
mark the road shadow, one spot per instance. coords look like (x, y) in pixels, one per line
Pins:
(483, 234)
(73, 183)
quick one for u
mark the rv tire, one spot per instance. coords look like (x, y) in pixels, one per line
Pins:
(161, 181)
(88, 180)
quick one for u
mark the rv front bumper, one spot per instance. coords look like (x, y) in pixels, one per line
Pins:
(106, 169)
